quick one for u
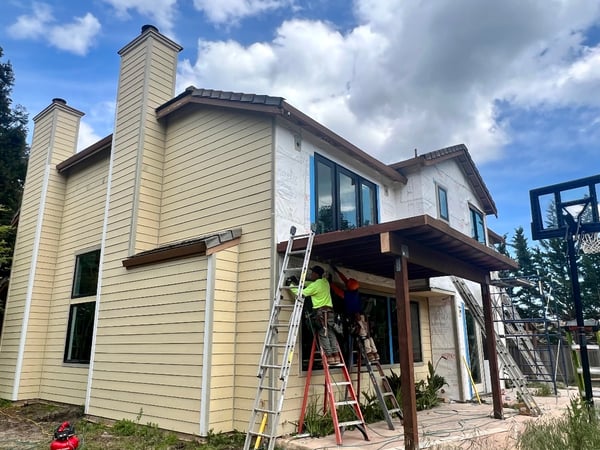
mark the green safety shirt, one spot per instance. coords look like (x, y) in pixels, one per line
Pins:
(319, 292)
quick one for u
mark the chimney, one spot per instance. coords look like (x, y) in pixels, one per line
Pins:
(54, 140)
(146, 80)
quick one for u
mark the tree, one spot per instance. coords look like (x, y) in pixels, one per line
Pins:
(528, 298)
(13, 162)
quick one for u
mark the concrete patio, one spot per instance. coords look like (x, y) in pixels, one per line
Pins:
(448, 426)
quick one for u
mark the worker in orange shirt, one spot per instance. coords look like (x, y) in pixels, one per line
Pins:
(353, 310)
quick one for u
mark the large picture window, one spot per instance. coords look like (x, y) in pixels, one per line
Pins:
(80, 328)
(477, 225)
(344, 200)
(85, 279)
(381, 314)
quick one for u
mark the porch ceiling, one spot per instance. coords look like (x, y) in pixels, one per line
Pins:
(434, 249)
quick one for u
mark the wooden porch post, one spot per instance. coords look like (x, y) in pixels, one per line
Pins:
(490, 335)
(405, 344)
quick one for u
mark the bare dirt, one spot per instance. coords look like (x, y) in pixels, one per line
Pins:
(32, 425)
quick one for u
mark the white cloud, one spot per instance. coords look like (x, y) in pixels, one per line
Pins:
(228, 11)
(32, 26)
(416, 74)
(87, 136)
(75, 37)
(161, 12)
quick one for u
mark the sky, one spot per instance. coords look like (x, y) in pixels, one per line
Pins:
(516, 81)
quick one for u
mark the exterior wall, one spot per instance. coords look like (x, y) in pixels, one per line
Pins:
(222, 377)
(81, 230)
(149, 345)
(293, 189)
(419, 196)
(218, 176)
(25, 321)
(447, 354)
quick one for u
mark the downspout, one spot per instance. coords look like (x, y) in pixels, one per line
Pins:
(208, 343)
(88, 390)
(32, 270)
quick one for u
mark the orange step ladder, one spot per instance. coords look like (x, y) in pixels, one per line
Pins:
(340, 383)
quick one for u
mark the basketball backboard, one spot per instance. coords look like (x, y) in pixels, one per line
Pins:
(565, 207)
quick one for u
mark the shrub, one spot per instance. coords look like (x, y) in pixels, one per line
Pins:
(576, 429)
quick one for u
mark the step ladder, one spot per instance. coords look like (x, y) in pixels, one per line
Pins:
(508, 363)
(515, 330)
(381, 385)
(337, 381)
(277, 356)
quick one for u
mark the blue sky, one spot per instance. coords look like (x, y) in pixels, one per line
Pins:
(517, 81)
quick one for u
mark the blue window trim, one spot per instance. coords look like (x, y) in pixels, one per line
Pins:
(313, 200)
(466, 345)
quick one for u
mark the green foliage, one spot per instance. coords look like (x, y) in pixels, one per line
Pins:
(577, 429)
(541, 389)
(371, 409)
(426, 391)
(317, 424)
(13, 147)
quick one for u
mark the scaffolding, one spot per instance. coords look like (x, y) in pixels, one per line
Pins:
(534, 342)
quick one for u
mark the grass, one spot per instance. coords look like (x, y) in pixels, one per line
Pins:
(576, 429)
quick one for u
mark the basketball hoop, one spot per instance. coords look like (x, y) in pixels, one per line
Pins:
(589, 243)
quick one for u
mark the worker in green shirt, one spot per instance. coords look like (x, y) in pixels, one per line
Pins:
(319, 291)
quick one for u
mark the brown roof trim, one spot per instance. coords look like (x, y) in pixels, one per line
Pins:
(467, 165)
(99, 148)
(494, 237)
(324, 133)
(275, 106)
(205, 245)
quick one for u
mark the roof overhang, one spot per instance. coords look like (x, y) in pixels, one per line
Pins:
(432, 249)
(201, 246)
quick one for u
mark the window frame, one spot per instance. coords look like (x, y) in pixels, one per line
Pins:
(442, 203)
(83, 350)
(477, 227)
(79, 277)
(386, 340)
(361, 185)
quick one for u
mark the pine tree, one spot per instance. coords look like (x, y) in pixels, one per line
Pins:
(527, 298)
(13, 162)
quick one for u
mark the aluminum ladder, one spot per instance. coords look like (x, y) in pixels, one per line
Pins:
(276, 357)
(516, 330)
(339, 384)
(510, 367)
(383, 391)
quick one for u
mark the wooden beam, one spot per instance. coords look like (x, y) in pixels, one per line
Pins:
(490, 338)
(430, 258)
(405, 345)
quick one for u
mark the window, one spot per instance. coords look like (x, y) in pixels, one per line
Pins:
(442, 200)
(383, 325)
(477, 225)
(344, 200)
(79, 333)
(85, 280)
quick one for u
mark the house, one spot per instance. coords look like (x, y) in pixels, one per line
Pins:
(145, 265)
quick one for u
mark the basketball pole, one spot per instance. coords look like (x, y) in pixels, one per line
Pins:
(585, 362)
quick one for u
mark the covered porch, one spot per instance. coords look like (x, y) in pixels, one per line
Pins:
(416, 248)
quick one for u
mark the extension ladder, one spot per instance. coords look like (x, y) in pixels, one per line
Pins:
(276, 357)
(516, 330)
(383, 391)
(343, 383)
(510, 367)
